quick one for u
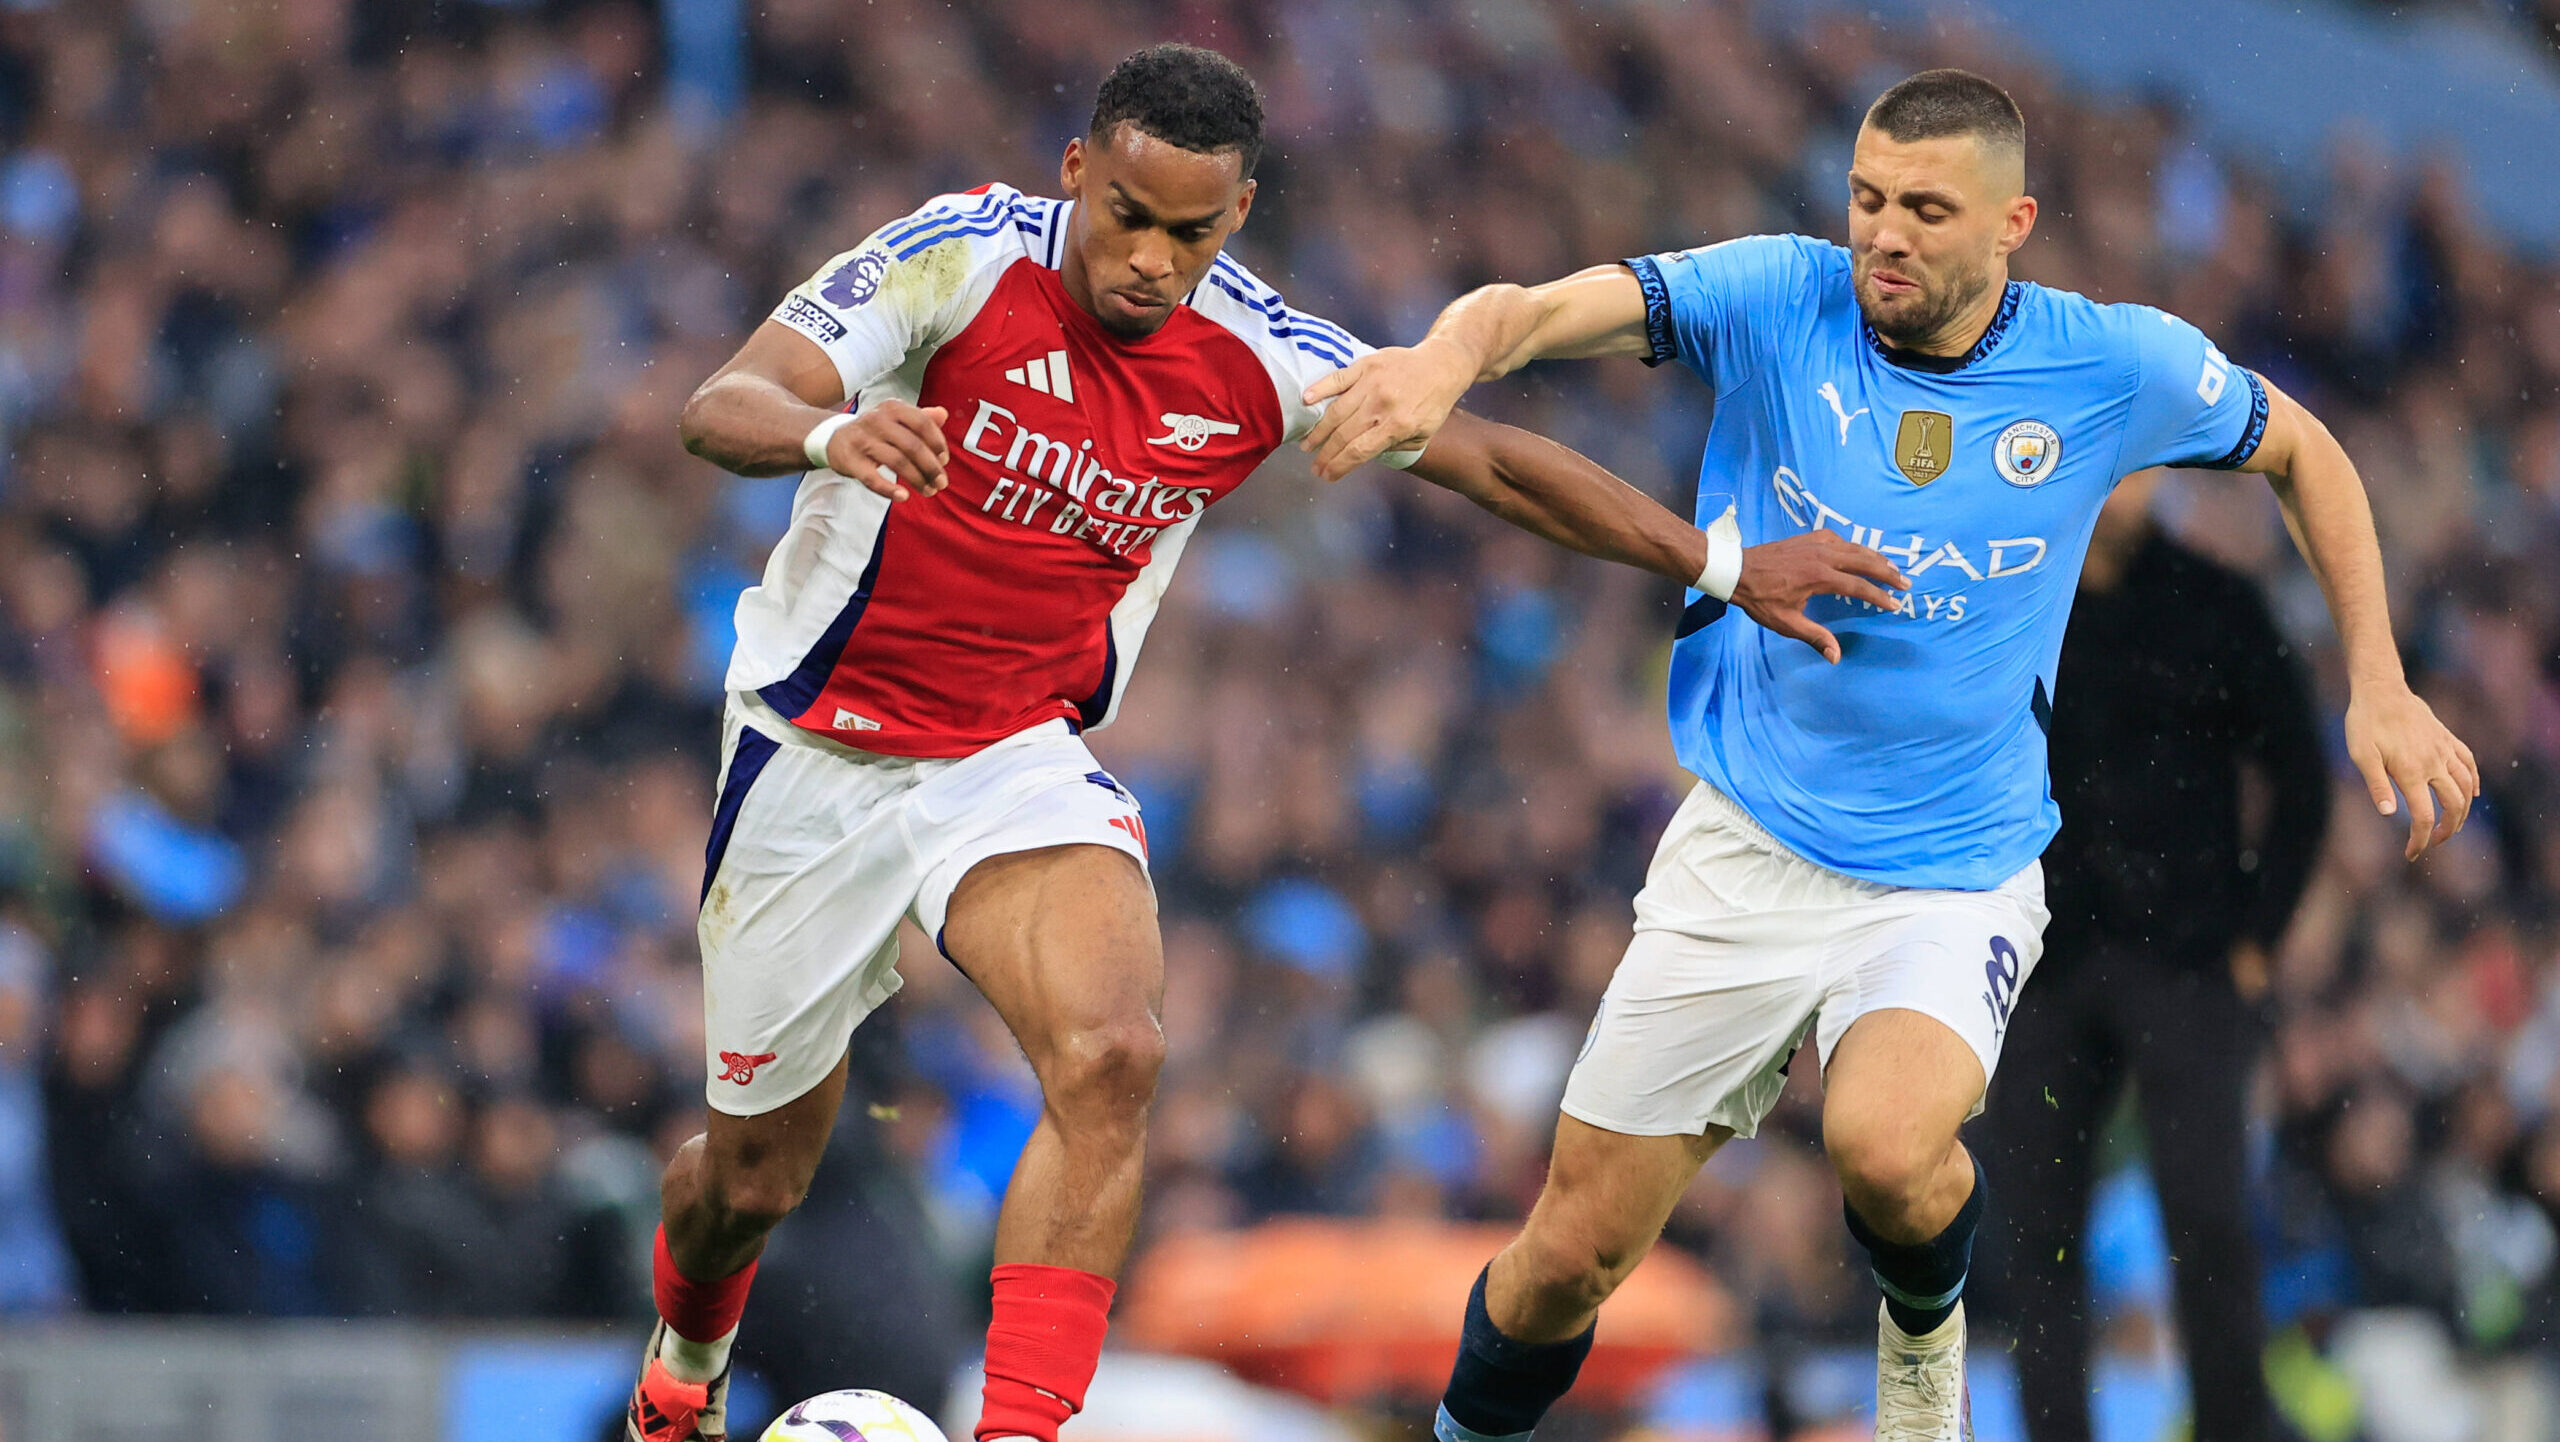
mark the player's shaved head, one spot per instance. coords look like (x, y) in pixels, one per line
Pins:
(1184, 96)
(1940, 104)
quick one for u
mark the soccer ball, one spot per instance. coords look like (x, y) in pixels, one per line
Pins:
(853, 1416)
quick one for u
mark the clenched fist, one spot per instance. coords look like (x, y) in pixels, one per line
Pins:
(894, 448)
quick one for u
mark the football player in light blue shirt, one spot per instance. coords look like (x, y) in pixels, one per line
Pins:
(1859, 861)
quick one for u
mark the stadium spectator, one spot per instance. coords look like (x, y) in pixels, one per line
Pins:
(2174, 696)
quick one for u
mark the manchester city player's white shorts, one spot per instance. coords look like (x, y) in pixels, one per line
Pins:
(1742, 947)
(817, 850)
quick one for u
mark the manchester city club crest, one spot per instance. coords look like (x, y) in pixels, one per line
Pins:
(2026, 453)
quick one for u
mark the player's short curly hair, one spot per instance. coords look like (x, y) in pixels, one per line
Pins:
(1186, 96)
(1950, 102)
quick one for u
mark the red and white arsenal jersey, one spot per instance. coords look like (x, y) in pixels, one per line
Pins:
(1081, 462)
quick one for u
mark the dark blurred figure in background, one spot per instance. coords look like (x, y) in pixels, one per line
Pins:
(2186, 758)
(861, 1272)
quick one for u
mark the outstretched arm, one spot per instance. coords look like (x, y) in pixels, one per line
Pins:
(1396, 399)
(2392, 736)
(1560, 494)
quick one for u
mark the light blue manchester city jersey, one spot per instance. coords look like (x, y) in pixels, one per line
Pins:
(1918, 760)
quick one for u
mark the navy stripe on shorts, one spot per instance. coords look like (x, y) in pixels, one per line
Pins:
(745, 764)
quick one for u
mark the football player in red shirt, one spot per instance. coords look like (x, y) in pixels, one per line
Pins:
(1010, 413)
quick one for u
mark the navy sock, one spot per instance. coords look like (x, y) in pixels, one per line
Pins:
(1502, 1386)
(1922, 1282)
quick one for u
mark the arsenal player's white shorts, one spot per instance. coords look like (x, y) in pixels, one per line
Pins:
(1742, 947)
(817, 850)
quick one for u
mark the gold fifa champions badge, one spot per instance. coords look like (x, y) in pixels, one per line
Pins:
(1925, 445)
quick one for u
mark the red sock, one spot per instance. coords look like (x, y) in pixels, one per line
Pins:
(1042, 1347)
(698, 1311)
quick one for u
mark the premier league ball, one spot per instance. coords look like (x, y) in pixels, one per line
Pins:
(853, 1416)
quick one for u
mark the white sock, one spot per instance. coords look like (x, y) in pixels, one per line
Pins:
(691, 1361)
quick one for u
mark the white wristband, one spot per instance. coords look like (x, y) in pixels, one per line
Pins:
(814, 445)
(1724, 557)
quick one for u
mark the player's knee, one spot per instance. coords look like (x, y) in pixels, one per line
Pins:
(1885, 1171)
(1106, 1072)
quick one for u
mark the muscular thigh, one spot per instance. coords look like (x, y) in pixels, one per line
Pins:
(1061, 940)
(1918, 995)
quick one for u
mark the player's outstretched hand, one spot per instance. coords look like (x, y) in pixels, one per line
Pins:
(1387, 400)
(2395, 739)
(1779, 577)
(894, 448)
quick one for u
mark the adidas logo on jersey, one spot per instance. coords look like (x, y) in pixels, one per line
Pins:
(848, 721)
(1047, 375)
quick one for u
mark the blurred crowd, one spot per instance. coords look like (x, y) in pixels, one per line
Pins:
(361, 626)
(2537, 19)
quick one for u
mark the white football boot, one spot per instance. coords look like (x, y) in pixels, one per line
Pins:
(1920, 1391)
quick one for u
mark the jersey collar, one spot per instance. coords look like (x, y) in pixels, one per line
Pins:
(1948, 364)
(1072, 314)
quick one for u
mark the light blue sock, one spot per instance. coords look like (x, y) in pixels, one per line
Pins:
(1445, 1428)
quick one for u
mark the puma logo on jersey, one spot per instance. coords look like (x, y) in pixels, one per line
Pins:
(1047, 375)
(1831, 393)
(1190, 432)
